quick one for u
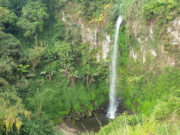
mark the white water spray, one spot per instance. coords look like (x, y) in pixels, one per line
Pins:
(113, 74)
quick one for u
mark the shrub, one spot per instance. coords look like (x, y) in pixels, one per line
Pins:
(9, 46)
(165, 10)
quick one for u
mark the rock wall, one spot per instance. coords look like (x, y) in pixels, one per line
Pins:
(160, 49)
(90, 34)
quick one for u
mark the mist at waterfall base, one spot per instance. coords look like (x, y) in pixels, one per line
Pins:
(111, 114)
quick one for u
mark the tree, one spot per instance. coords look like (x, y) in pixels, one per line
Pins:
(87, 72)
(32, 19)
(9, 46)
(6, 72)
(35, 55)
(90, 74)
(74, 75)
(8, 18)
(14, 5)
(3, 13)
(62, 51)
(67, 70)
(71, 74)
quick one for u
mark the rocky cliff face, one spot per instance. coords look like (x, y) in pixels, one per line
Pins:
(163, 47)
(160, 43)
(91, 33)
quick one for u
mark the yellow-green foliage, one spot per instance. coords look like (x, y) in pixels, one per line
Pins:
(11, 111)
(101, 16)
(97, 20)
(3, 11)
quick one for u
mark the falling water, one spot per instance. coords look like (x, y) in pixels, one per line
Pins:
(112, 93)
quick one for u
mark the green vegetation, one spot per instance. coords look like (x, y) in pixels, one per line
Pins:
(92, 8)
(150, 90)
(46, 70)
(32, 18)
(48, 73)
(163, 120)
(165, 10)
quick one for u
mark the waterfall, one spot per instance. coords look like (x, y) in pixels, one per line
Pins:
(113, 74)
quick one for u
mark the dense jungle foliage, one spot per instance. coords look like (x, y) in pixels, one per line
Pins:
(48, 73)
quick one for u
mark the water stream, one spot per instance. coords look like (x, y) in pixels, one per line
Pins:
(113, 74)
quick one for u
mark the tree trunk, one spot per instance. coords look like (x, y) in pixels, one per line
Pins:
(87, 79)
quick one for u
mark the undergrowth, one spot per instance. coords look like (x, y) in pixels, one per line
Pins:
(164, 120)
